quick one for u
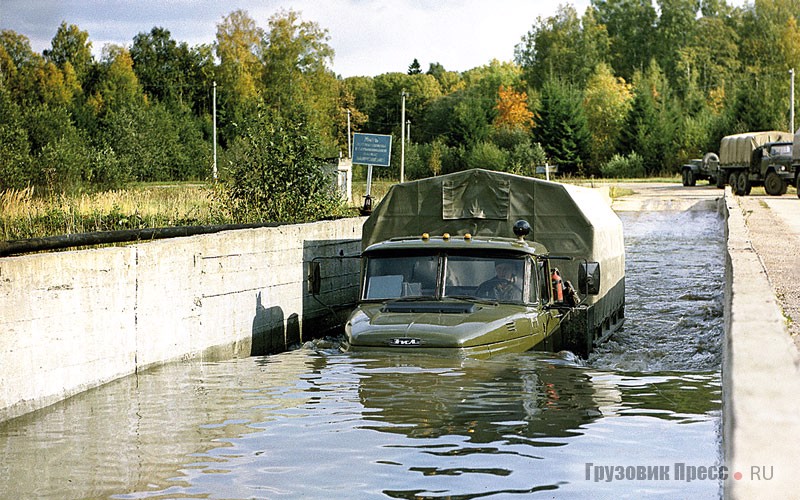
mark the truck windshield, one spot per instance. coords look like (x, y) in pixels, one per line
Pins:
(430, 276)
(499, 278)
(782, 149)
(396, 277)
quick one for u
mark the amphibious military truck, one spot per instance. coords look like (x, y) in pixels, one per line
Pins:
(757, 159)
(481, 263)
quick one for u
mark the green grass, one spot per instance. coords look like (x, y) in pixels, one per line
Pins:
(23, 214)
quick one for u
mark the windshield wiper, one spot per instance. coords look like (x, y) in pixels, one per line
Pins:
(472, 298)
(413, 298)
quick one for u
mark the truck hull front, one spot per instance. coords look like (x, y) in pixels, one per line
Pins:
(489, 330)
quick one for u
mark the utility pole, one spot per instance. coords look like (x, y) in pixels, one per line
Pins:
(791, 106)
(408, 132)
(349, 145)
(214, 106)
(403, 138)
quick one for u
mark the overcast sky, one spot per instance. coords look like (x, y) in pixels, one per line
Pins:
(370, 37)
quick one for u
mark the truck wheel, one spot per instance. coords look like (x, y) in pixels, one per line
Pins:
(688, 178)
(732, 181)
(720, 180)
(743, 184)
(774, 185)
(797, 185)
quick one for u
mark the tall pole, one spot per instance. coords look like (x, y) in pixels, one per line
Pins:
(791, 106)
(349, 146)
(403, 138)
(214, 106)
(408, 132)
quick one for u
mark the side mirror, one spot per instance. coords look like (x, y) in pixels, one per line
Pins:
(589, 278)
(314, 278)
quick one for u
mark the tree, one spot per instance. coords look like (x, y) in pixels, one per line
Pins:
(512, 109)
(606, 102)
(58, 149)
(675, 26)
(294, 52)
(156, 143)
(363, 92)
(163, 66)
(238, 47)
(15, 159)
(414, 68)
(710, 58)
(18, 63)
(118, 86)
(71, 46)
(385, 114)
(53, 86)
(449, 81)
(471, 121)
(421, 91)
(347, 113)
(631, 29)
(548, 50)
(561, 128)
(296, 58)
(653, 125)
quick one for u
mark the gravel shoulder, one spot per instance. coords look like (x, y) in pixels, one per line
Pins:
(774, 230)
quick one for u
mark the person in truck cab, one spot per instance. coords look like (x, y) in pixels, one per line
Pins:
(505, 285)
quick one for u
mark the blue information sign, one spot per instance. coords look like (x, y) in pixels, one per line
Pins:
(372, 149)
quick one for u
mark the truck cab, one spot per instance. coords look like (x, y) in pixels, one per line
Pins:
(775, 166)
(477, 296)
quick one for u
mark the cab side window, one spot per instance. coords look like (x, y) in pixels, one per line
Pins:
(543, 282)
(532, 279)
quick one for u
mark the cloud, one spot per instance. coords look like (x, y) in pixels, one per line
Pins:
(369, 37)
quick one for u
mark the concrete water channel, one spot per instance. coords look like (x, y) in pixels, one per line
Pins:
(642, 417)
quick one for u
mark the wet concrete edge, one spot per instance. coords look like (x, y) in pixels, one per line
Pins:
(760, 376)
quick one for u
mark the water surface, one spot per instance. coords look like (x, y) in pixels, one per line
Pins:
(319, 423)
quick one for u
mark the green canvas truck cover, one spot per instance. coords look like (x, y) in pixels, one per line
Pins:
(738, 149)
(568, 220)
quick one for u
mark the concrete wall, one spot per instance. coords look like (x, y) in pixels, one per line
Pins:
(70, 321)
(760, 376)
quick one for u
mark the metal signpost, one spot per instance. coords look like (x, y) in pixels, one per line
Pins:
(371, 150)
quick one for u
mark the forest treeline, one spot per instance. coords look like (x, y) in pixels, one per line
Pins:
(626, 88)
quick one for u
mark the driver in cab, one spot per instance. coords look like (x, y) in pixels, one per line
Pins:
(505, 286)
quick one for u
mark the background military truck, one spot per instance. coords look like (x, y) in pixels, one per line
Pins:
(796, 161)
(702, 169)
(757, 159)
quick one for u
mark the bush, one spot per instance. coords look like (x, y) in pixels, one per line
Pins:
(107, 172)
(630, 166)
(276, 175)
(488, 156)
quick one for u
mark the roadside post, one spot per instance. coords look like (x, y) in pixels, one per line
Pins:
(371, 150)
